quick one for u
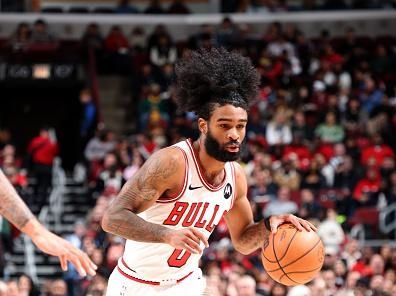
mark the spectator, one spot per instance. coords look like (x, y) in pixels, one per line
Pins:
(331, 232)
(309, 207)
(98, 146)
(124, 7)
(282, 204)
(227, 33)
(163, 52)
(279, 45)
(300, 129)
(263, 189)
(278, 130)
(330, 131)
(58, 288)
(178, 7)
(137, 42)
(117, 48)
(287, 175)
(88, 117)
(370, 95)
(246, 286)
(21, 38)
(204, 38)
(72, 278)
(92, 39)
(153, 109)
(365, 192)
(377, 151)
(40, 33)
(97, 287)
(26, 286)
(43, 149)
(154, 7)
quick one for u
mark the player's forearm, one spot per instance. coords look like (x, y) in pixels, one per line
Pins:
(12, 206)
(254, 237)
(128, 225)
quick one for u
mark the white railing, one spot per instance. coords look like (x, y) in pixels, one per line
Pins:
(55, 204)
(385, 226)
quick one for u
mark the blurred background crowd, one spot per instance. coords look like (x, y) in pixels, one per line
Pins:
(319, 144)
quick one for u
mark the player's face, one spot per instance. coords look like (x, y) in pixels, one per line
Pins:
(225, 132)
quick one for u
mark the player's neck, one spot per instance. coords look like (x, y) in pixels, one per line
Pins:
(213, 169)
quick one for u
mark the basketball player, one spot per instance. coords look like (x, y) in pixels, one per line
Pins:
(169, 208)
(15, 210)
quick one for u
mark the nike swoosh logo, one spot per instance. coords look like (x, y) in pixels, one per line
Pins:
(193, 188)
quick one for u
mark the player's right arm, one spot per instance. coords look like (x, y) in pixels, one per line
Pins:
(162, 173)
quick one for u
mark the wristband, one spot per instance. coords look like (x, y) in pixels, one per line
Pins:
(267, 223)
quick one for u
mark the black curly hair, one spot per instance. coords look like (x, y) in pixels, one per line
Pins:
(212, 78)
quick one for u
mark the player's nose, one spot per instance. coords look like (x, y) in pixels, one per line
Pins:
(233, 135)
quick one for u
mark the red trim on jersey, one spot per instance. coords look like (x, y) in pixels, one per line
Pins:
(174, 197)
(136, 279)
(200, 169)
(235, 185)
(153, 283)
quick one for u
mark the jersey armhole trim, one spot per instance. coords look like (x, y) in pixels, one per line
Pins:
(175, 197)
(235, 185)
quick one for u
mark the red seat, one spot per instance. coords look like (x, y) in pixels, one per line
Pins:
(369, 217)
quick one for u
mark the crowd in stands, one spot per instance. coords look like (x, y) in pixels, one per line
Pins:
(320, 144)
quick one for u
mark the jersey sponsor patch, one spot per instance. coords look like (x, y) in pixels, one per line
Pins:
(227, 191)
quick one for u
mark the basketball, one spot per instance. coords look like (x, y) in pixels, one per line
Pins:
(293, 257)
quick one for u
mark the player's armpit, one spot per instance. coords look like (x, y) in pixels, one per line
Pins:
(162, 172)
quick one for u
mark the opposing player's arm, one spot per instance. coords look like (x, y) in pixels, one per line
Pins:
(246, 235)
(162, 172)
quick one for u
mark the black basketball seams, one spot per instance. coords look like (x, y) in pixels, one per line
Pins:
(280, 267)
(305, 271)
(287, 248)
(307, 252)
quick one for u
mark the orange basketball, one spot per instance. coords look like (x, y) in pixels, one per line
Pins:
(293, 257)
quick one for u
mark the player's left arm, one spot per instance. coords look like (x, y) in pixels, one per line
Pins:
(246, 235)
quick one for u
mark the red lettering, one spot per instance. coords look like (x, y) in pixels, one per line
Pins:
(210, 225)
(201, 223)
(195, 207)
(178, 258)
(176, 214)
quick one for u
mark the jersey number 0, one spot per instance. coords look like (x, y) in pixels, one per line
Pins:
(178, 258)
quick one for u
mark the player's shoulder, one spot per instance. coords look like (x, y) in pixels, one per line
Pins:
(240, 174)
(171, 157)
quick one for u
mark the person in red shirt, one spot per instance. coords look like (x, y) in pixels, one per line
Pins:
(378, 150)
(42, 150)
(367, 188)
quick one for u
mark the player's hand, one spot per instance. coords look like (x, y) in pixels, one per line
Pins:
(54, 245)
(301, 224)
(188, 239)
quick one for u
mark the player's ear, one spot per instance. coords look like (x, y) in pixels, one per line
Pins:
(202, 125)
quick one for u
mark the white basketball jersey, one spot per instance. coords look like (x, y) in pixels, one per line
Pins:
(199, 205)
